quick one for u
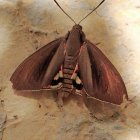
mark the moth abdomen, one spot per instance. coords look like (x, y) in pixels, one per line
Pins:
(68, 69)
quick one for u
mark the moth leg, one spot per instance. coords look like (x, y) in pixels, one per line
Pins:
(84, 96)
(60, 99)
(85, 99)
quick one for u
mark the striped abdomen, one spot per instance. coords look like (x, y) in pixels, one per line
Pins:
(68, 77)
(68, 69)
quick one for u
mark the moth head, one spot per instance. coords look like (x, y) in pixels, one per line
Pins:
(77, 26)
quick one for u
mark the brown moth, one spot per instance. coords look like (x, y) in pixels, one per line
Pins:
(71, 65)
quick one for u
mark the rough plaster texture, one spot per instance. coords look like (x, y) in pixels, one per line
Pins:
(29, 24)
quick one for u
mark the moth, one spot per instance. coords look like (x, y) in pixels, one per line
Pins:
(71, 65)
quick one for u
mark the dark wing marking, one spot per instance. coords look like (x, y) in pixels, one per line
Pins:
(100, 78)
(38, 70)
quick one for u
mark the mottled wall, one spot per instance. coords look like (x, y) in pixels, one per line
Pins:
(27, 25)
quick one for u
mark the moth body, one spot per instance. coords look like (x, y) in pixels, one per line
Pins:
(74, 41)
(71, 64)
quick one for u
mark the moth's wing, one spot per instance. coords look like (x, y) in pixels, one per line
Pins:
(100, 78)
(37, 71)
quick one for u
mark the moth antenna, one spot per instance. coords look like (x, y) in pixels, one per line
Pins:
(64, 11)
(92, 11)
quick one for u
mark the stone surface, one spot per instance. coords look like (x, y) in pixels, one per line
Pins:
(29, 24)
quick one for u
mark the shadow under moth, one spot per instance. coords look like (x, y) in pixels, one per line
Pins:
(71, 65)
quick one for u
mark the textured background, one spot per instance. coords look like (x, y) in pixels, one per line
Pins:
(115, 25)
